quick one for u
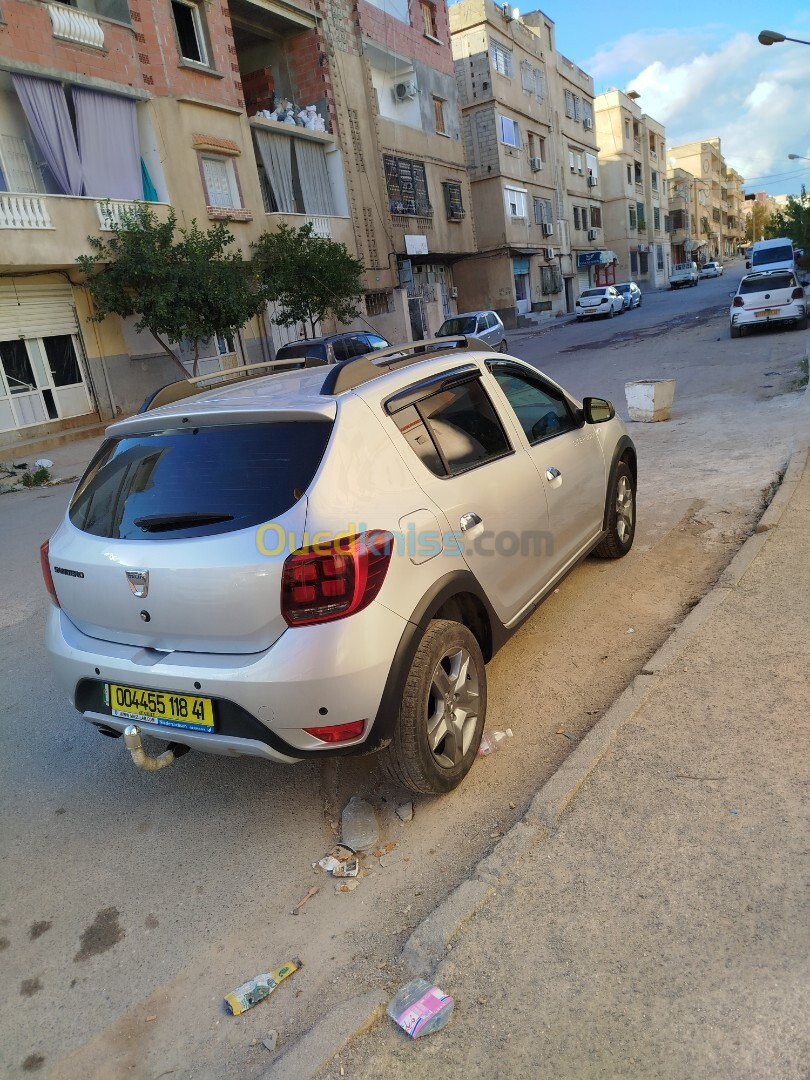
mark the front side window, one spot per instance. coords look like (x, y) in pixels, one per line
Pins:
(188, 22)
(540, 410)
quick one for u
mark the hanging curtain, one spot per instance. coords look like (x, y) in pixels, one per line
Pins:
(314, 178)
(43, 102)
(275, 152)
(110, 152)
(149, 191)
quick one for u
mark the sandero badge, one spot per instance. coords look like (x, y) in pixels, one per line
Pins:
(138, 582)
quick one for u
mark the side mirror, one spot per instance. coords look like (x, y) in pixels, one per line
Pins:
(597, 410)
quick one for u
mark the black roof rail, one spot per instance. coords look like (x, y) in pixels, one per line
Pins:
(362, 369)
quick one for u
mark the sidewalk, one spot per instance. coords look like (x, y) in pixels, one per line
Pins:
(656, 924)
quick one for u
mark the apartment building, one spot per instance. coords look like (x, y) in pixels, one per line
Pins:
(120, 101)
(528, 128)
(253, 112)
(715, 196)
(635, 205)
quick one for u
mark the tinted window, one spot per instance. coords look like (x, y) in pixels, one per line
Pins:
(459, 325)
(299, 349)
(197, 481)
(623, 288)
(593, 292)
(412, 426)
(540, 411)
(782, 253)
(356, 346)
(768, 284)
(464, 426)
(377, 342)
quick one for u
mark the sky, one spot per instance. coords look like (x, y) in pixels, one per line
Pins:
(701, 72)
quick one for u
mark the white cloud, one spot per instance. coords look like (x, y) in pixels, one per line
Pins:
(757, 99)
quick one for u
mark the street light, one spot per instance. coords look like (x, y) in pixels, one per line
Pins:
(771, 37)
(797, 157)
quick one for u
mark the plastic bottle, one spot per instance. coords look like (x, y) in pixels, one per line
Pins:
(420, 1008)
(492, 741)
(358, 824)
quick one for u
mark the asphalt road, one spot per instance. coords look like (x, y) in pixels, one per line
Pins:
(126, 896)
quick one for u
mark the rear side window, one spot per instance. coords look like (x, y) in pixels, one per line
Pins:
(464, 426)
(767, 284)
(199, 481)
(300, 349)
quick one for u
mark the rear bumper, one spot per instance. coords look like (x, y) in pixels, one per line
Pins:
(312, 676)
(787, 313)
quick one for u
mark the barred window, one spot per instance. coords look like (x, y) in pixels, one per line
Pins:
(501, 58)
(550, 279)
(596, 217)
(406, 182)
(378, 303)
(657, 219)
(452, 201)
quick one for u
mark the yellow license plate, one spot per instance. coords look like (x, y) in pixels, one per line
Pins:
(767, 312)
(169, 710)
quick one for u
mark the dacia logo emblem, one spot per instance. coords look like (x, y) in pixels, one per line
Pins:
(138, 581)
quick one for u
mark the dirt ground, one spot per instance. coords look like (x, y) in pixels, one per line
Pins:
(704, 479)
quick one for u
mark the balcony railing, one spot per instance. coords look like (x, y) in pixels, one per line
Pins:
(111, 212)
(24, 212)
(72, 25)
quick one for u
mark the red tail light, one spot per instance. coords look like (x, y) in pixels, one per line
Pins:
(335, 579)
(46, 573)
(738, 302)
(797, 294)
(338, 732)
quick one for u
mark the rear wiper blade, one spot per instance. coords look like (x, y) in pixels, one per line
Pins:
(164, 522)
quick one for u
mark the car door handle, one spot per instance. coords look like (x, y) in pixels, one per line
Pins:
(552, 473)
(469, 521)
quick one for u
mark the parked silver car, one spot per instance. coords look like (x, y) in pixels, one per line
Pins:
(631, 294)
(322, 561)
(484, 325)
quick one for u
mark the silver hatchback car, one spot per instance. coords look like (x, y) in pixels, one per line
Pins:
(484, 325)
(322, 561)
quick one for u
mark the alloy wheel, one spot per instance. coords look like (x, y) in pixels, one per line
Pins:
(452, 707)
(624, 509)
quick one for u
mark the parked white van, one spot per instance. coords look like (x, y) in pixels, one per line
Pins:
(771, 255)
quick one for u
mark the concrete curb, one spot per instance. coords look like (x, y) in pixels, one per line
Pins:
(308, 1055)
(427, 946)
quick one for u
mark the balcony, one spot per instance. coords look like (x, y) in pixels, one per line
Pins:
(42, 231)
(76, 27)
(329, 228)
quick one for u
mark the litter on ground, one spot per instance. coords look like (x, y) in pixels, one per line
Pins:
(247, 995)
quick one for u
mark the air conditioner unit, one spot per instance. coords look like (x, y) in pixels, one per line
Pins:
(549, 253)
(536, 164)
(592, 234)
(405, 91)
(507, 12)
(548, 228)
(592, 181)
(453, 290)
(587, 123)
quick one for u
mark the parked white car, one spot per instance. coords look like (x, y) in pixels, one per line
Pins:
(213, 588)
(605, 301)
(711, 269)
(772, 296)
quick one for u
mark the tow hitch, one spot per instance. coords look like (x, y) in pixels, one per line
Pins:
(132, 738)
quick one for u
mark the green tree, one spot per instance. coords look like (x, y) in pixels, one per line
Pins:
(308, 277)
(756, 224)
(793, 221)
(182, 283)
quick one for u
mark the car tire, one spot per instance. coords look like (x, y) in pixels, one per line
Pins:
(621, 515)
(503, 346)
(735, 331)
(801, 324)
(611, 313)
(428, 706)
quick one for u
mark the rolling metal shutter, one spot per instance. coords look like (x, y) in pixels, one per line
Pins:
(31, 309)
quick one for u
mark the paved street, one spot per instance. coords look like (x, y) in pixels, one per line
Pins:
(131, 903)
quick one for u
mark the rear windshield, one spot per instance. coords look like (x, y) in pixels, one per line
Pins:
(767, 284)
(301, 349)
(764, 256)
(465, 325)
(592, 292)
(197, 481)
(623, 288)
